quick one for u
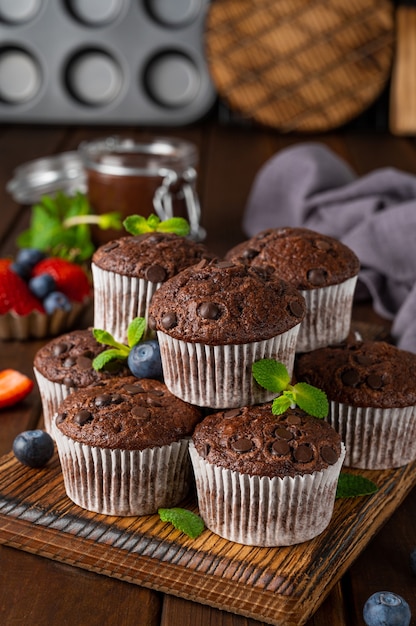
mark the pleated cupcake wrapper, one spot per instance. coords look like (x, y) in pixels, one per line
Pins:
(221, 376)
(51, 395)
(375, 438)
(124, 482)
(37, 325)
(262, 511)
(119, 299)
(328, 315)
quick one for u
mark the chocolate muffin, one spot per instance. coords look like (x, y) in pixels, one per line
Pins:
(213, 320)
(65, 364)
(127, 271)
(321, 267)
(372, 393)
(275, 477)
(123, 446)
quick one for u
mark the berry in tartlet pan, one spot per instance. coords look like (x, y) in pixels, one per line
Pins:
(40, 296)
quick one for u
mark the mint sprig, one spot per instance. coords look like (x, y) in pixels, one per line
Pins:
(60, 226)
(273, 376)
(138, 225)
(184, 520)
(352, 485)
(118, 351)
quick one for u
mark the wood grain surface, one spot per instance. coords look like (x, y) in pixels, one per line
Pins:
(300, 65)
(281, 586)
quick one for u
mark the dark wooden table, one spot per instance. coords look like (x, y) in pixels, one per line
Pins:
(39, 591)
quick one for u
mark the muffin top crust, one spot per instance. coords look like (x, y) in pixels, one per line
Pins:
(361, 374)
(251, 440)
(152, 256)
(302, 257)
(67, 360)
(127, 414)
(220, 303)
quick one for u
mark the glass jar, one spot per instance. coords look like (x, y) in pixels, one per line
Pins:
(139, 178)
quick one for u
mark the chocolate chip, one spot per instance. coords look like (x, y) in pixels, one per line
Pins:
(140, 411)
(374, 381)
(133, 389)
(82, 417)
(103, 399)
(201, 264)
(242, 445)
(69, 362)
(205, 450)
(283, 433)
(59, 348)
(155, 273)
(116, 398)
(169, 320)
(111, 246)
(232, 413)
(350, 377)
(322, 244)
(296, 309)
(151, 322)
(209, 310)
(363, 359)
(225, 264)
(68, 382)
(317, 276)
(250, 253)
(294, 420)
(280, 448)
(61, 417)
(84, 362)
(303, 453)
(156, 392)
(153, 401)
(329, 455)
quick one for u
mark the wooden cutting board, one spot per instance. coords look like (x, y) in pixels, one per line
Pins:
(279, 586)
(300, 65)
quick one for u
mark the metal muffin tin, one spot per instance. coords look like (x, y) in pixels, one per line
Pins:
(103, 61)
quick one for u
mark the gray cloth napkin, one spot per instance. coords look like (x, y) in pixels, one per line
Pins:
(375, 215)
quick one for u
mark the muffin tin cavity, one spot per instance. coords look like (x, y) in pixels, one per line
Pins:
(103, 61)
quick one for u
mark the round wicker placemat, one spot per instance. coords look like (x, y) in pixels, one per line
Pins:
(300, 65)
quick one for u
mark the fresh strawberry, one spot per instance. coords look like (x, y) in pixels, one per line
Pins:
(69, 277)
(14, 292)
(14, 386)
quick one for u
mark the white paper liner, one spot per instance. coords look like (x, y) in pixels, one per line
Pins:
(328, 315)
(262, 511)
(124, 482)
(375, 438)
(37, 325)
(221, 376)
(51, 395)
(119, 299)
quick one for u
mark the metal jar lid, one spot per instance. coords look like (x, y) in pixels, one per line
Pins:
(34, 179)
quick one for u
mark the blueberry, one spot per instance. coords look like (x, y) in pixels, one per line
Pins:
(386, 608)
(144, 359)
(33, 448)
(29, 256)
(56, 300)
(41, 285)
(21, 269)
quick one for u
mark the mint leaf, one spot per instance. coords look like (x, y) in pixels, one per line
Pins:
(105, 357)
(138, 225)
(351, 485)
(103, 336)
(311, 399)
(281, 404)
(177, 225)
(271, 375)
(135, 331)
(186, 521)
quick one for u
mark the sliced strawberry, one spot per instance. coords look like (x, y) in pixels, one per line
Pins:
(14, 386)
(69, 277)
(14, 292)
